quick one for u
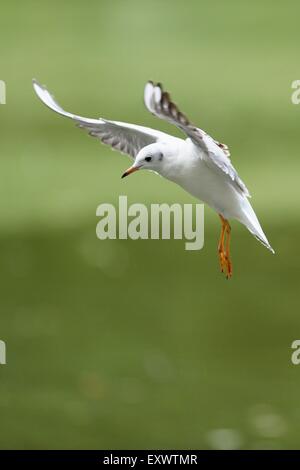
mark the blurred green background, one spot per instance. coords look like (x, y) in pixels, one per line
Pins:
(141, 344)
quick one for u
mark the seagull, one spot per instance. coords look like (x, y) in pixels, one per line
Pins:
(199, 164)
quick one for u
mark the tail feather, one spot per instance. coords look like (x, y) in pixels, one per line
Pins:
(264, 241)
(250, 220)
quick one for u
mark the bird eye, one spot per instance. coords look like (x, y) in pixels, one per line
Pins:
(148, 159)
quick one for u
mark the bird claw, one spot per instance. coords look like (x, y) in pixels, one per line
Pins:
(225, 263)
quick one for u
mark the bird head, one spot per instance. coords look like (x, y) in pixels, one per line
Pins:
(150, 157)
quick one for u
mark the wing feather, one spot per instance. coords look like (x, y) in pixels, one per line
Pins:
(214, 153)
(126, 138)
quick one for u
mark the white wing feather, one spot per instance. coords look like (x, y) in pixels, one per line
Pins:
(127, 138)
(215, 154)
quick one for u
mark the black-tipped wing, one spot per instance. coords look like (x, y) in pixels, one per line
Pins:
(215, 154)
(127, 138)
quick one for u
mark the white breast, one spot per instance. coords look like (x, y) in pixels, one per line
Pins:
(192, 173)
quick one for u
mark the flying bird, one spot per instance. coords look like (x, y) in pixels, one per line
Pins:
(199, 164)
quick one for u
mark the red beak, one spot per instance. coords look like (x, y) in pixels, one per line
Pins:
(130, 170)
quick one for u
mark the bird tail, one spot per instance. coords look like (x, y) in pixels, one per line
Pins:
(250, 220)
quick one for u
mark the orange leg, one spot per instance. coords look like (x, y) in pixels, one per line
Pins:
(227, 251)
(221, 245)
(224, 253)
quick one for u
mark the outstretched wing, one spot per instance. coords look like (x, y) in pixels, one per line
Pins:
(127, 138)
(215, 154)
